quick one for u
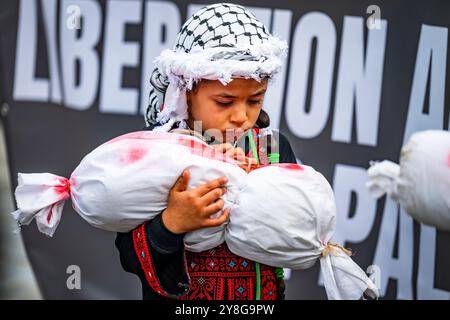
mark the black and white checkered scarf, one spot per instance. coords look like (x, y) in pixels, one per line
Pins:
(219, 42)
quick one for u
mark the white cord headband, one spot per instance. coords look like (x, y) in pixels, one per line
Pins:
(219, 42)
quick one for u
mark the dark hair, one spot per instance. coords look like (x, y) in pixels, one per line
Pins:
(263, 120)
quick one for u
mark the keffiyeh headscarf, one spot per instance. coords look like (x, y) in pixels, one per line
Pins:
(219, 42)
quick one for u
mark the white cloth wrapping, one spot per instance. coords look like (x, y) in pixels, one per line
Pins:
(41, 196)
(421, 183)
(281, 215)
(126, 181)
(285, 217)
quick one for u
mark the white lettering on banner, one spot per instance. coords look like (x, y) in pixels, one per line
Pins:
(273, 101)
(113, 97)
(359, 82)
(355, 227)
(352, 226)
(427, 265)
(26, 86)
(49, 10)
(311, 26)
(81, 95)
(160, 32)
(374, 273)
(81, 49)
(432, 53)
(400, 268)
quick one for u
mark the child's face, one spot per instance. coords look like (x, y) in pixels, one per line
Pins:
(232, 108)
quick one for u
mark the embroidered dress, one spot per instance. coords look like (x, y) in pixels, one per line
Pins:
(219, 274)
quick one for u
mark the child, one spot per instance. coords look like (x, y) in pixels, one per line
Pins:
(216, 76)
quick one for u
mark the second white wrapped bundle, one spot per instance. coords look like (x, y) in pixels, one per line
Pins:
(421, 182)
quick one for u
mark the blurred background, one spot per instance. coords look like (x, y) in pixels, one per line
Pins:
(17, 277)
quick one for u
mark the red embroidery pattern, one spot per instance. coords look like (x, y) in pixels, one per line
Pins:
(219, 274)
(145, 259)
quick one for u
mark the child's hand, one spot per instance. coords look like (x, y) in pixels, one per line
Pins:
(237, 153)
(189, 210)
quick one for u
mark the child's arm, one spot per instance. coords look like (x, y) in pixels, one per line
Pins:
(155, 249)
(167, 252)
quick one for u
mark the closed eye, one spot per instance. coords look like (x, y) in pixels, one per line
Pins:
(224, 104)
(229, 103)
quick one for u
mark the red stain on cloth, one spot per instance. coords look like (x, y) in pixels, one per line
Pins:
(62, 188)
(133, 154)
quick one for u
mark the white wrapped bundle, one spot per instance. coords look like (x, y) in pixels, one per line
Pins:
(285, 217)
(281, 215)
(125, 182)
(421, 183)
